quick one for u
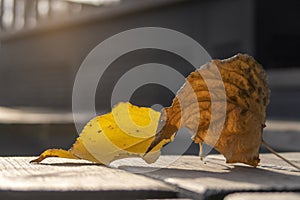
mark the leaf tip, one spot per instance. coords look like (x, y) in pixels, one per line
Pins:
(53, 153)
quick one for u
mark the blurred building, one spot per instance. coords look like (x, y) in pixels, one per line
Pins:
(43, 42)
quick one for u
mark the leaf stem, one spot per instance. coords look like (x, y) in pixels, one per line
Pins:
(281, 157)
(201, 150)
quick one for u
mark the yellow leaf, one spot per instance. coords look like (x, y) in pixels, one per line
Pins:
(127, 131)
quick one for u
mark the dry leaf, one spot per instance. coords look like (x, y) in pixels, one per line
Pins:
(247, 96)
(127, 131)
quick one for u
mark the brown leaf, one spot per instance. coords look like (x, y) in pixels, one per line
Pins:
(246, 97)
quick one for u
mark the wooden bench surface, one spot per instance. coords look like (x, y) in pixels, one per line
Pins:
(170, 177)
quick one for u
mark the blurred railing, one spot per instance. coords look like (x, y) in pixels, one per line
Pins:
(22, 14)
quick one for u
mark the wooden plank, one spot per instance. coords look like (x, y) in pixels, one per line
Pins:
(64, 179)
(34, 116)
(214, 178)
(263, 196)
(283, 135)
(171, 176)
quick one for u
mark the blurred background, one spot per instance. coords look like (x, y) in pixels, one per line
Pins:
(44, 42)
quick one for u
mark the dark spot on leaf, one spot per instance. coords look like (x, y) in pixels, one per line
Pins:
(259, 90)
(265, 101)
(247, 104)
(244, 111)
(243, 93)
(242, 84)
(233, 98)
(251, 90)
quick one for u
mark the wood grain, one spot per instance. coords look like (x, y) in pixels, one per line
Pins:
(61, 177)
